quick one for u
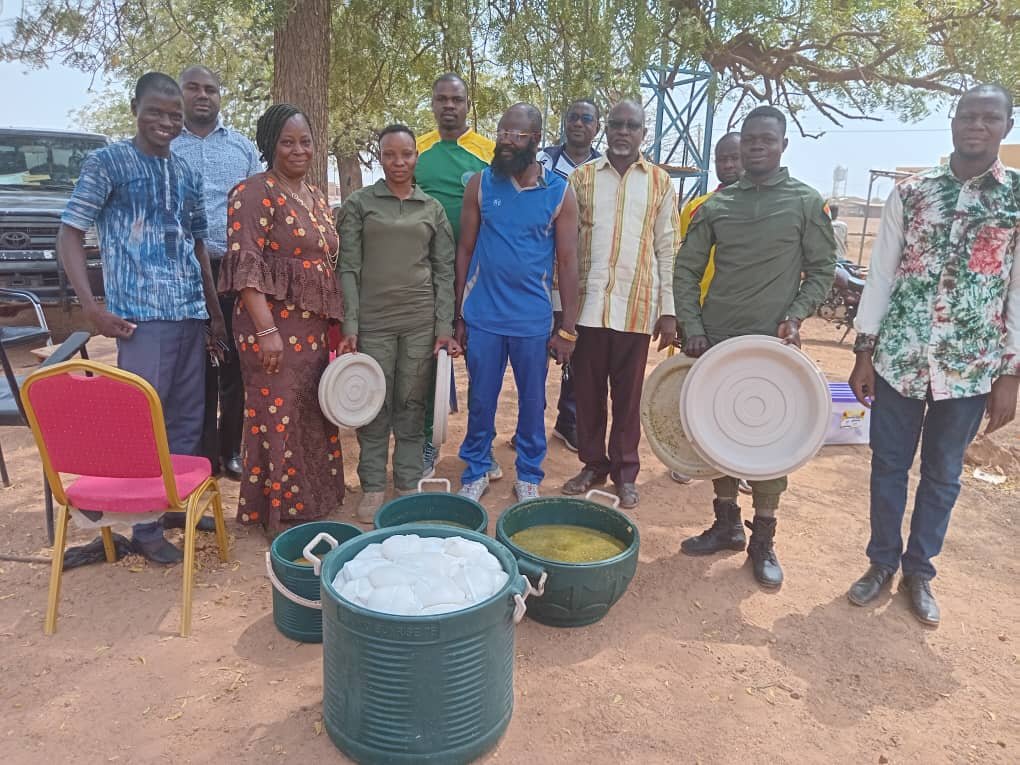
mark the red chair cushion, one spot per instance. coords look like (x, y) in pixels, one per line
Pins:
(138, 495)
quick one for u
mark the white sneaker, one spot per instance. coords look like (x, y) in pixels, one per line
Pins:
(525, 490)
(743, 486)
(429, 457)
(474, 489)
(679, 477)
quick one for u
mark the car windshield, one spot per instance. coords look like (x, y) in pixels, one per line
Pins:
(43, 161)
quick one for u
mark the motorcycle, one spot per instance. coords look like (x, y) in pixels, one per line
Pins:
(840, 305)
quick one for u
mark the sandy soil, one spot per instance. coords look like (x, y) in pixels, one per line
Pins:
(694, 664)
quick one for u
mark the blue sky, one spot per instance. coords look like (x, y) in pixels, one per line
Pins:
(48, 97)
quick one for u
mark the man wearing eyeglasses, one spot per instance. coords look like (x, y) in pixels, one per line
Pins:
(630, 233)
(580, 126)
(519, 222)
(447, 158)
(774, 259)
(938, 340)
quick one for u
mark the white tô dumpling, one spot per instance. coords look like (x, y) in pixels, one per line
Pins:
(398, 600)
(392, 575)
(408, 575)
(400, 545)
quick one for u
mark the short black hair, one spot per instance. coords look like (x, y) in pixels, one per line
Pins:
(200, 68)
(731, 134)
(587, 102)
(156, 82)
(396, 128)
(766, 111)
(269, 127)
(993, 87)
(450, 77)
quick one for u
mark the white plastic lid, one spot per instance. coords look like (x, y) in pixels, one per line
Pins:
(352, 390)
(441, 403)
(660, 417)
(755, 407)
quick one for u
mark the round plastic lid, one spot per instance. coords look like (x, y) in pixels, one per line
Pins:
(352, 390)
(660, 417)
(441, 403)
(755, 407)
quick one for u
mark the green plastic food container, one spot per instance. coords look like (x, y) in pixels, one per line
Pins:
(433, 508)
(296, 609)
(418, 689)
(572, 594)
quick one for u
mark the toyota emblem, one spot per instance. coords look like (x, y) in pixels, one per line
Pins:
(14, 240)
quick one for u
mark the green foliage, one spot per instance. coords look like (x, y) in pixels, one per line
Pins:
(845, 59)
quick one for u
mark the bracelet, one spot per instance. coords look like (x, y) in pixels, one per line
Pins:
(865, 343)
(264, 332)
(567, 335)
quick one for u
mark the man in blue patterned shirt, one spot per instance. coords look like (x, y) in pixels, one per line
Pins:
(224, 158)
(147, 205)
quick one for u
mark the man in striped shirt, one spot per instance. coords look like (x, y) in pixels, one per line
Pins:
(629, 236)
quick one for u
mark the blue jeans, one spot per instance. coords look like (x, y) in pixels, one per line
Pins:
(945, 430)
(171, 357)
(487, 355)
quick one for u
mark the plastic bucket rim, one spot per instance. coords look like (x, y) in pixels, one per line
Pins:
(381, 511)
(504, 539)
(297, 568)
(506, 589)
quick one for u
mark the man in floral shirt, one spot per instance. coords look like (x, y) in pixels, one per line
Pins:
(938, 339)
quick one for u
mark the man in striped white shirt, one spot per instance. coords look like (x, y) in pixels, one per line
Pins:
(629, 237)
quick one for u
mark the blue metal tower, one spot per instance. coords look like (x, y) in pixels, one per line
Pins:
(684, 105)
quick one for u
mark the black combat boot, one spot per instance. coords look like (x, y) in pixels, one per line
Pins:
(725, 534)
(762, 553)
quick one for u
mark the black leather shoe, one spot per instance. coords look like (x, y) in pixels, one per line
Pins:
(866, 589)
(922, 602)
(176, 521)
(762, 552)
(727, 533)
(160, 551)
(233, 468)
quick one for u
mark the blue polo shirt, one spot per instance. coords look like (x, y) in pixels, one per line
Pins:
(223, 158)
(510, 277)
(149, 211)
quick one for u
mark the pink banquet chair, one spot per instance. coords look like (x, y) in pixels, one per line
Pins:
(106, 427)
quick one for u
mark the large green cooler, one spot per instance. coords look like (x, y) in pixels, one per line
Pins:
(418, 689)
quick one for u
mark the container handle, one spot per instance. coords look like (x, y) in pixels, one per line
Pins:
(615, 500)
(309, 555)
(281, 588)
(444, 481)
(532, 570)
(520, 606)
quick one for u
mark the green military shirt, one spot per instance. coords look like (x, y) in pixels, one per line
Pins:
(396, 262)
(775, 257)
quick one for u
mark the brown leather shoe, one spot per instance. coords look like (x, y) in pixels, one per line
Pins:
(583, 482)
(628, 494)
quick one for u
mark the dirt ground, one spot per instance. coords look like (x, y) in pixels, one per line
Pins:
(695, 664)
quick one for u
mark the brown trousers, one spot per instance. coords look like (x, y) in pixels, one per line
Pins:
(606, 360)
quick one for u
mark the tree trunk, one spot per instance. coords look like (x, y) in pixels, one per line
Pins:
(350, 173)
(301, 44)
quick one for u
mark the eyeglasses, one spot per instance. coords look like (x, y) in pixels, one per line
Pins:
(587, 119)
(514, 136)
(631, 125)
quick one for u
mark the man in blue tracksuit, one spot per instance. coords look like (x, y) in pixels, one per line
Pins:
(519, 221)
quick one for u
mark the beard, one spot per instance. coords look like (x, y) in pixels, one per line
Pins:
(515, 164)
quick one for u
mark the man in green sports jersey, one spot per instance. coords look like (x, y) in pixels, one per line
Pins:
(447, 158)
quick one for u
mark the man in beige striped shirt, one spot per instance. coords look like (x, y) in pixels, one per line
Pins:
(629, 237)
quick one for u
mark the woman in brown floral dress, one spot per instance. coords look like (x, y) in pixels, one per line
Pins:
(280, 261)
